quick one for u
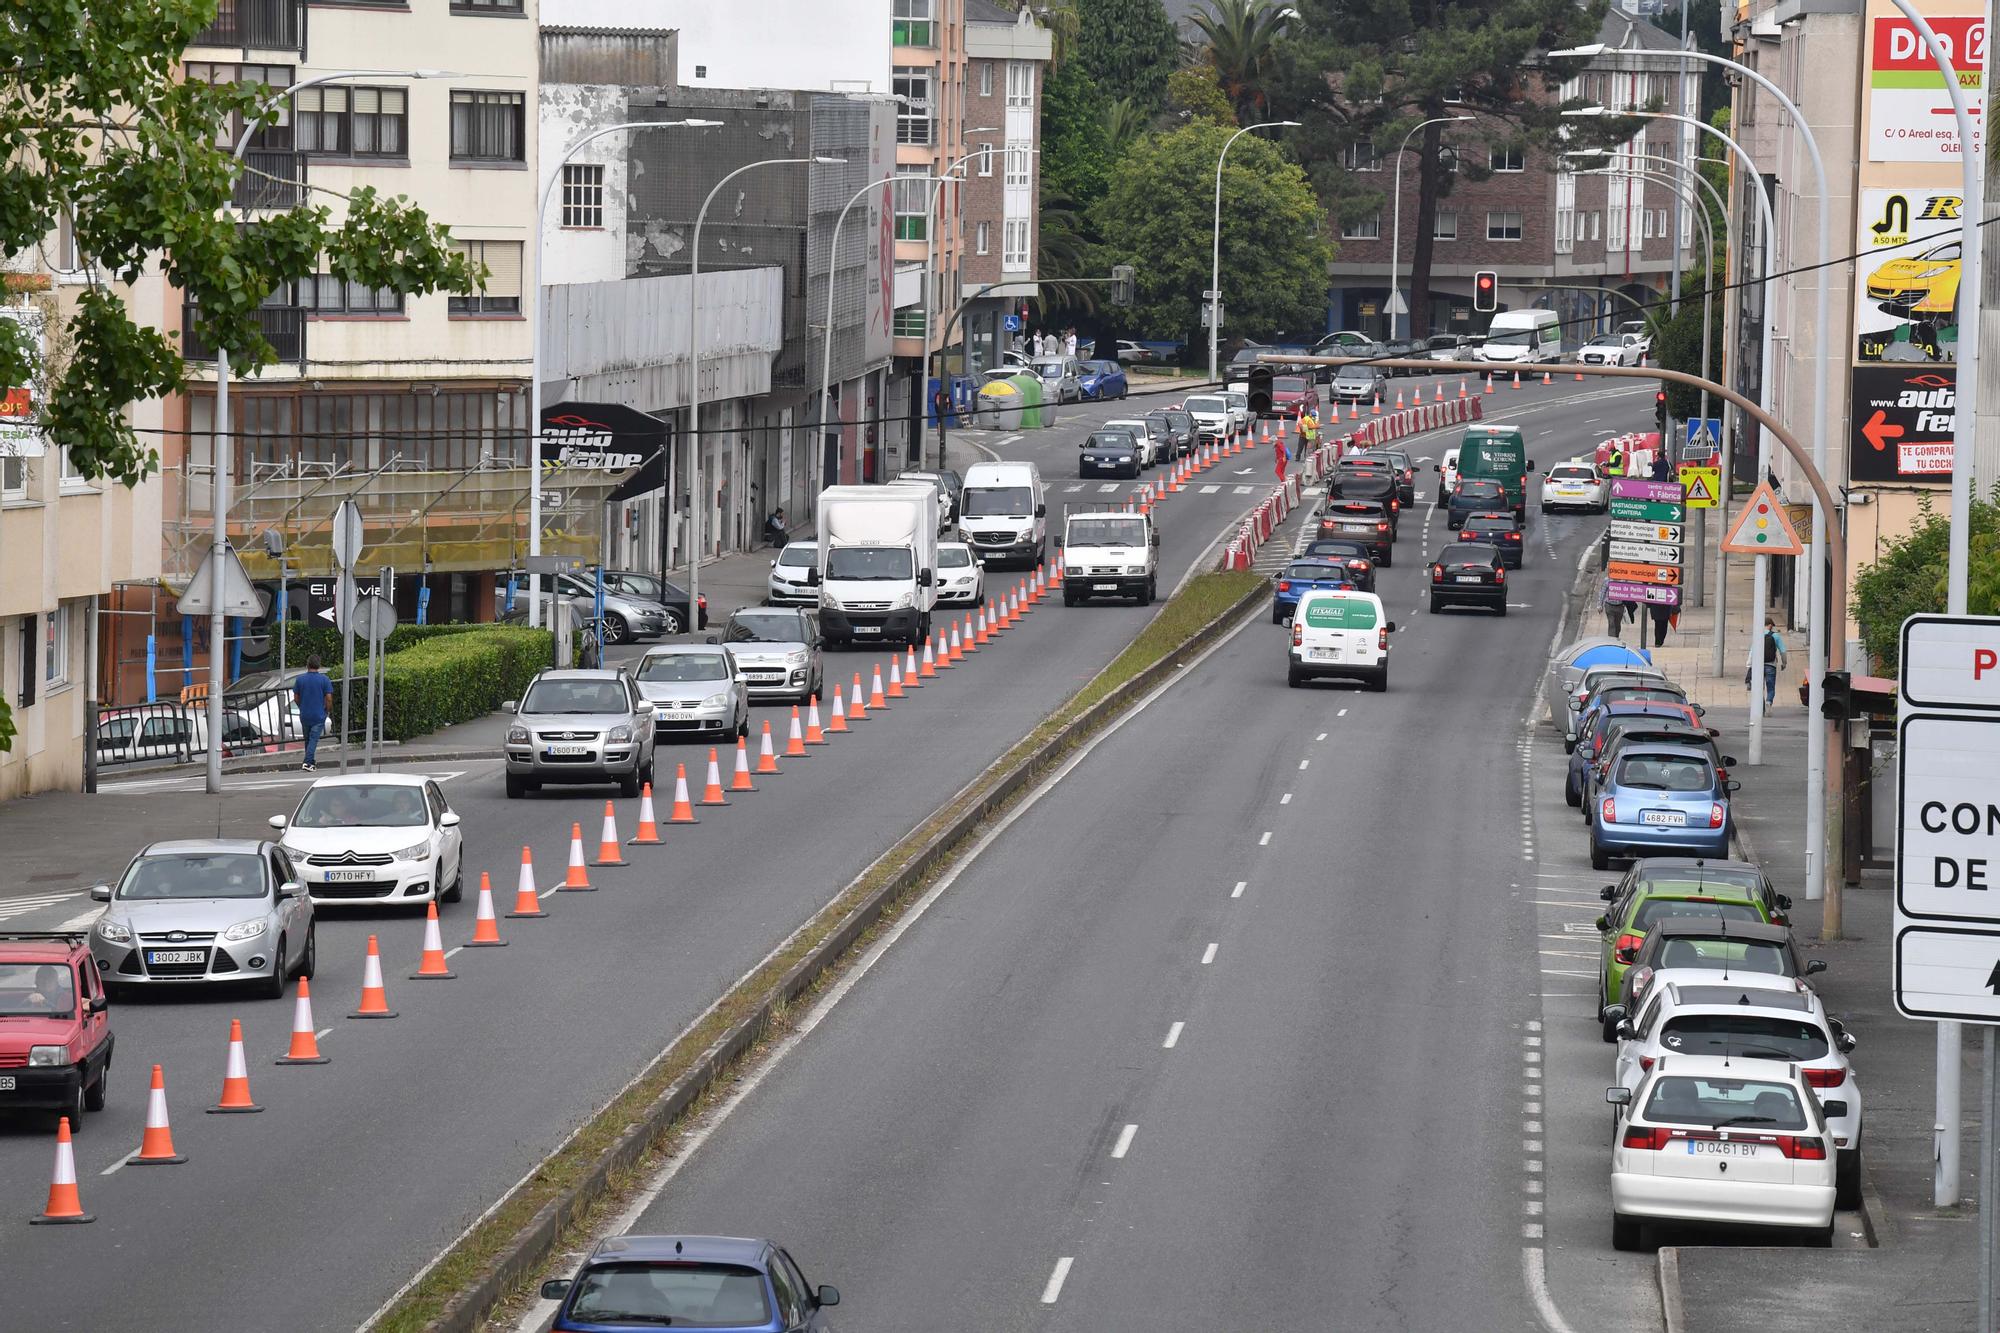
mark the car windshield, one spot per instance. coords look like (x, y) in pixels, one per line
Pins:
(1764, 1036)
(1049, 370)
(1607, 340)
(1654, 910)
(1354, 374)
(1469, 553)
(677, 1295)
(1573, 474)
(183, 875)
(1340, 549)
(1511, 338)
(1288, 384)
(32, 990)
(1307, 572)
(1110, 439)
(1211, 405)
(1717, 1103)
(1489, 525)
(684, 666)
(362, 805)
(1158, 421)
(1723, 954)
(999, 500)
(766, 627)
(1481, 490)
(1105, 532)
(1747, 880)
(1179, 418)
(640, 585)
(1662, 772)
(953, 557)
(575, 696)
(871, 564)
(799, 557)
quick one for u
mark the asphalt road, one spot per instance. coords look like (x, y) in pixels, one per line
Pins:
(359, 1171)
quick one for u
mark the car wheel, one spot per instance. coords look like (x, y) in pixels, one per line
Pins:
(628, 786)
(1571, 796)
(1502, 608)
(1069, 598)
(1627, 1233)
(1152, 591)
(615, 629)
(457, 889)
(73, 1108)
(1598, 860)
(1381, 682)
(1847, 1179)
(94, 1095)
(309, 960)
(1388, 558)
(673, 623)
(515, 788)
(1277, 616)
(273, 986)
(1293, 678)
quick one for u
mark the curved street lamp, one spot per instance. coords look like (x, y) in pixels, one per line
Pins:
(1215, 248)
(1396, 232)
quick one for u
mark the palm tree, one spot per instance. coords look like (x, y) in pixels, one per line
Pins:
(1239, 38)
(1123, 123)
(1064, 250)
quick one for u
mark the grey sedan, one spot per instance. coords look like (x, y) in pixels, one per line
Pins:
(778, 651)
(580, 726)
(695, 690)
(224, 910)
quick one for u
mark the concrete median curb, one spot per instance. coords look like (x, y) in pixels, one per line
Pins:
(837, 928)
(1673, 1312)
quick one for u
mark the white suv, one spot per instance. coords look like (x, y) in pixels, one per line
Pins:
(1576, 486)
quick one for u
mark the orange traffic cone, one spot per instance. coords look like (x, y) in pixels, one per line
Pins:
(64, 1205)
(1461, 387)
(876, 697)
(1439, 397)
(928, 667)
(527, 896)
(649, 828)
(577, 880)
(837, 719)
(304, 1049)
(156, 1145)
(981, 633)
(607, 840)
(374, 996)
(814, 736)
(1399, 400)
(740, 779)
(1579, 377)
(909, 681)
(1376, 411)
(857, 707)
(485, 925)
(683, 811)
(1489, 381)
(432, 967)
(711, 791)
(767, 758)
(795, 743)
(962, 646)
(1517, 379)
(235, 1078)
(1546, 379)
(1353, 410)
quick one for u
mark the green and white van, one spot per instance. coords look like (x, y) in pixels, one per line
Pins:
(1340, 635)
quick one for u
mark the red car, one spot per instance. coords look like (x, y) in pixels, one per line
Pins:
(55, 1037)
(1290, 393)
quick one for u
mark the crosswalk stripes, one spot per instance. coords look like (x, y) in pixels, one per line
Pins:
(34, 902)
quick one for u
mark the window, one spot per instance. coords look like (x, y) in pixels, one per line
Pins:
(986, 159)
(1020, 83)
(583, 194)
(1661, 226)
(72, 481)
(1646, 224)
(1454, 97)
(277, 135)
(1014, 243)
(986, 78)
(913, 114)
(1616, 227)
(1508, 158)
(982, 237)
(913, 185)
(910, 23)
(1017, 165)
(909, 322)
(1596, 225)
(55, 650)
(13, 478)
(1503, 226)
(488, 127)
(30, 680)
(69, 258)
(502, 295)
(1363, 229)
(325, 294)
(486, 6)
(1444, 226)
(353, 122)
(1361, 157)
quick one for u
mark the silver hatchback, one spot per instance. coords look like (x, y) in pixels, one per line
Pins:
(778, 651)
(577, 726)
(695, 690)
(220, 910)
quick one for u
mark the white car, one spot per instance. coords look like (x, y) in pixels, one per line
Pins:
(1339, 634)
(1447, 475)
(1611, 349)
(375, 837)
(1213, 418)
(791, 582)
(1730, 1142)
(1152, 444)
(1636, 328)
(1751, 1016)
(961, 578)
(1135, 354)
(1578, 486)
(1239, 406)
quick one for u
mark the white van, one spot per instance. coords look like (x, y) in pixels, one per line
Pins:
(1340, 635)
(1523, 336)
(1002, 514)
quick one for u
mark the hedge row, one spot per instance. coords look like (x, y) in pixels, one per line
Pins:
(455, 674)
(303, 640)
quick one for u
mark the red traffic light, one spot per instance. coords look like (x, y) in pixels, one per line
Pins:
(1486, 282)
(1485, 290)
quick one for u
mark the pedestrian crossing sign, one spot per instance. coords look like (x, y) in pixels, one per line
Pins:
(1703, 483)
(1762, 528)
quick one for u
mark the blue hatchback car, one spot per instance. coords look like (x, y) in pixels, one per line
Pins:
(1661, 800)
(1304, 576)
(726, 1284)
(1101, 381)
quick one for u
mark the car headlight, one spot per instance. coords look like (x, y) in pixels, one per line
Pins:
(797, 658)
(48, 1056)
(416, 851)
(1932, 273)
(1124, 458)
(517, 735)
(1073, 572)
(716, 700)
(828, 600)
(113, 931)
(245, 930)
(619, 735)
(904, 602)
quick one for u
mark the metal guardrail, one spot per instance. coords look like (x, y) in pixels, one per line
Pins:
(261, 721)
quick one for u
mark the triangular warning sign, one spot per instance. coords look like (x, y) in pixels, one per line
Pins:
(1762, 528)
(1697, 488)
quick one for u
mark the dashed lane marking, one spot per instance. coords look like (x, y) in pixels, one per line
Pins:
(1208, 954)
(1124, 1144)
(1052, 1292)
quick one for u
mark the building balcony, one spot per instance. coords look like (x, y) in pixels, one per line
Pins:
(272, 178)
(284, 328)
(257, 25)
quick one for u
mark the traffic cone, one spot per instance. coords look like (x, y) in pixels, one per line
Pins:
(895, 690)
(877, 697)
(527, 896)
(1579, 377)
(795, 743)
(767, 758)
(1489, 381)
(1377, 410)
(979, 634)
(1399, 400)
(156, 1145)
(1517, 379)
(235, 1078)
(683, 811)
(1546, 379)
(711, 792)
(485, 925)
(960, 647)
(1461, 387)
(1353, 410)
(374, 996)
(814, 736)
(304, 1049)
(909, 681)
(649, 829)
(838, 720)
(607, 841)
(577, 880)
(928, 666)
(740, 779)
(64, 1205)
(857, 707)
(432, 967)
(1439, 397)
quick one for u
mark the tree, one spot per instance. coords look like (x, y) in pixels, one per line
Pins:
(1239, 41)
(1907, 576)
(1157, 217)
(97, 127)
(1076, 161)
(1192, 91)
(1128, 48)
(1679, 341)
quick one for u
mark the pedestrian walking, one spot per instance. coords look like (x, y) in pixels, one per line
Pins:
(1661, 615)
(1770, 648)
(1614, 612)
(311, 691)
(1308, 428)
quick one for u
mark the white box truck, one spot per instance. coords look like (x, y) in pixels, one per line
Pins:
(878, 562)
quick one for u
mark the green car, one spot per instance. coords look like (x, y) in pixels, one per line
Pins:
(1674, 886)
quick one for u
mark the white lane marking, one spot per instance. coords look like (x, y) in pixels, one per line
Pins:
(1107, 488)
(1265, 841)
(1242, 490)
(1072, 490)
(1535, 1272)
(322, 1034)
(1320, 737)
(119, 1163)
(1286, 799)
(449, 952)
(1173, 1037)
(82, 920)
(1241, 885)
(1208, 490)
(1341, 713)
(1303, 764)
(1124, 1144)
(1208, 954)
(1053, 1291)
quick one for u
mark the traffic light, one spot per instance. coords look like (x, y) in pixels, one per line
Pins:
(1660, 414)
(1260, 391)
(1486, 291)
(1837, 695)
(1124, 284)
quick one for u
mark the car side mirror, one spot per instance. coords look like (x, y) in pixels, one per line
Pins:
(1624, 1030)
(1732, 785)
(1784, 902)
(1614, 1013)
(812, 577)
(1391, 627)
(449, 819)
(1815, 966)
(827, 1297)
(276, 821)
(100, 893)
(1848, 1041)
(925, 578)
(1041, 511)
(96, 1004)
(774, 564)
(1730, 761)
(711, 639)
(511, 706)
(1603, 923)
(1531, 465)
(292, 889)
(555, 1288)
(1608, 892)
(1618, 1096)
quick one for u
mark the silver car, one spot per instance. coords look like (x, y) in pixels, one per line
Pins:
(791, 582)
(573, 726)
(625, 617)
(223, 910)
(778, 651)
(695, 690)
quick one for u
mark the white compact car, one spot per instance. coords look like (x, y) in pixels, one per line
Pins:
(1447, 475)
(1338, 634)
(791, 582)
(1725, 1141)
(961, 578)
(1238, 399)
(1612, 349)
(1152, 444)
(1577, 486)
(374, 837)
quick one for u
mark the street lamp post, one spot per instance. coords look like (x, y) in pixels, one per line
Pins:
(930, 264)
(1396, 228)
(1215, 246)
(832, 268)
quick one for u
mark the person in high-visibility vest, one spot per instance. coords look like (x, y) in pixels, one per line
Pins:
(1615, 465)
(1308, 426)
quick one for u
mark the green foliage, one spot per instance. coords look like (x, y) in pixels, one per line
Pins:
(1157, 216)
(434, 675)
(1239, 43)
(1908, 573)
(1193, 91)
(1128, 48)
(1678, 340)
(1076, 160)
(303, 640)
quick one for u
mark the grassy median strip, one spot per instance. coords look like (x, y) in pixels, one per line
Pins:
(499, 1257)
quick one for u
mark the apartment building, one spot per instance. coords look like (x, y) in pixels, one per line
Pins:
(1007, 54)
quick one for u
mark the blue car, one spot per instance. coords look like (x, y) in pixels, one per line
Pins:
(725, 1284)
(1101, 381)
(1661, 800)
(1304, 576)
(1590, 735)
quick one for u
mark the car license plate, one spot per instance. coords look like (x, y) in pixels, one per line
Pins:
(569, 749)
(1104, 587)
(158, 956)
(867, 629)
(349, 876)
(1716, 1148)
(1672, 818)
(1468, 578)
(6, 1082)
(677, 715)
(1325, 654)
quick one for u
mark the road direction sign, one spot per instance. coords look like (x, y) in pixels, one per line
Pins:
(1646, 553)
(1623, 531)
(1639, 488)
(239, 595)
(1762, 528)
(1948, 973)
(1703, 484)
(1653, 594)
(323, 596)
(346, 534)
(374, 617)
(1649, 511)
(1951, 662)
(1631, 572)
